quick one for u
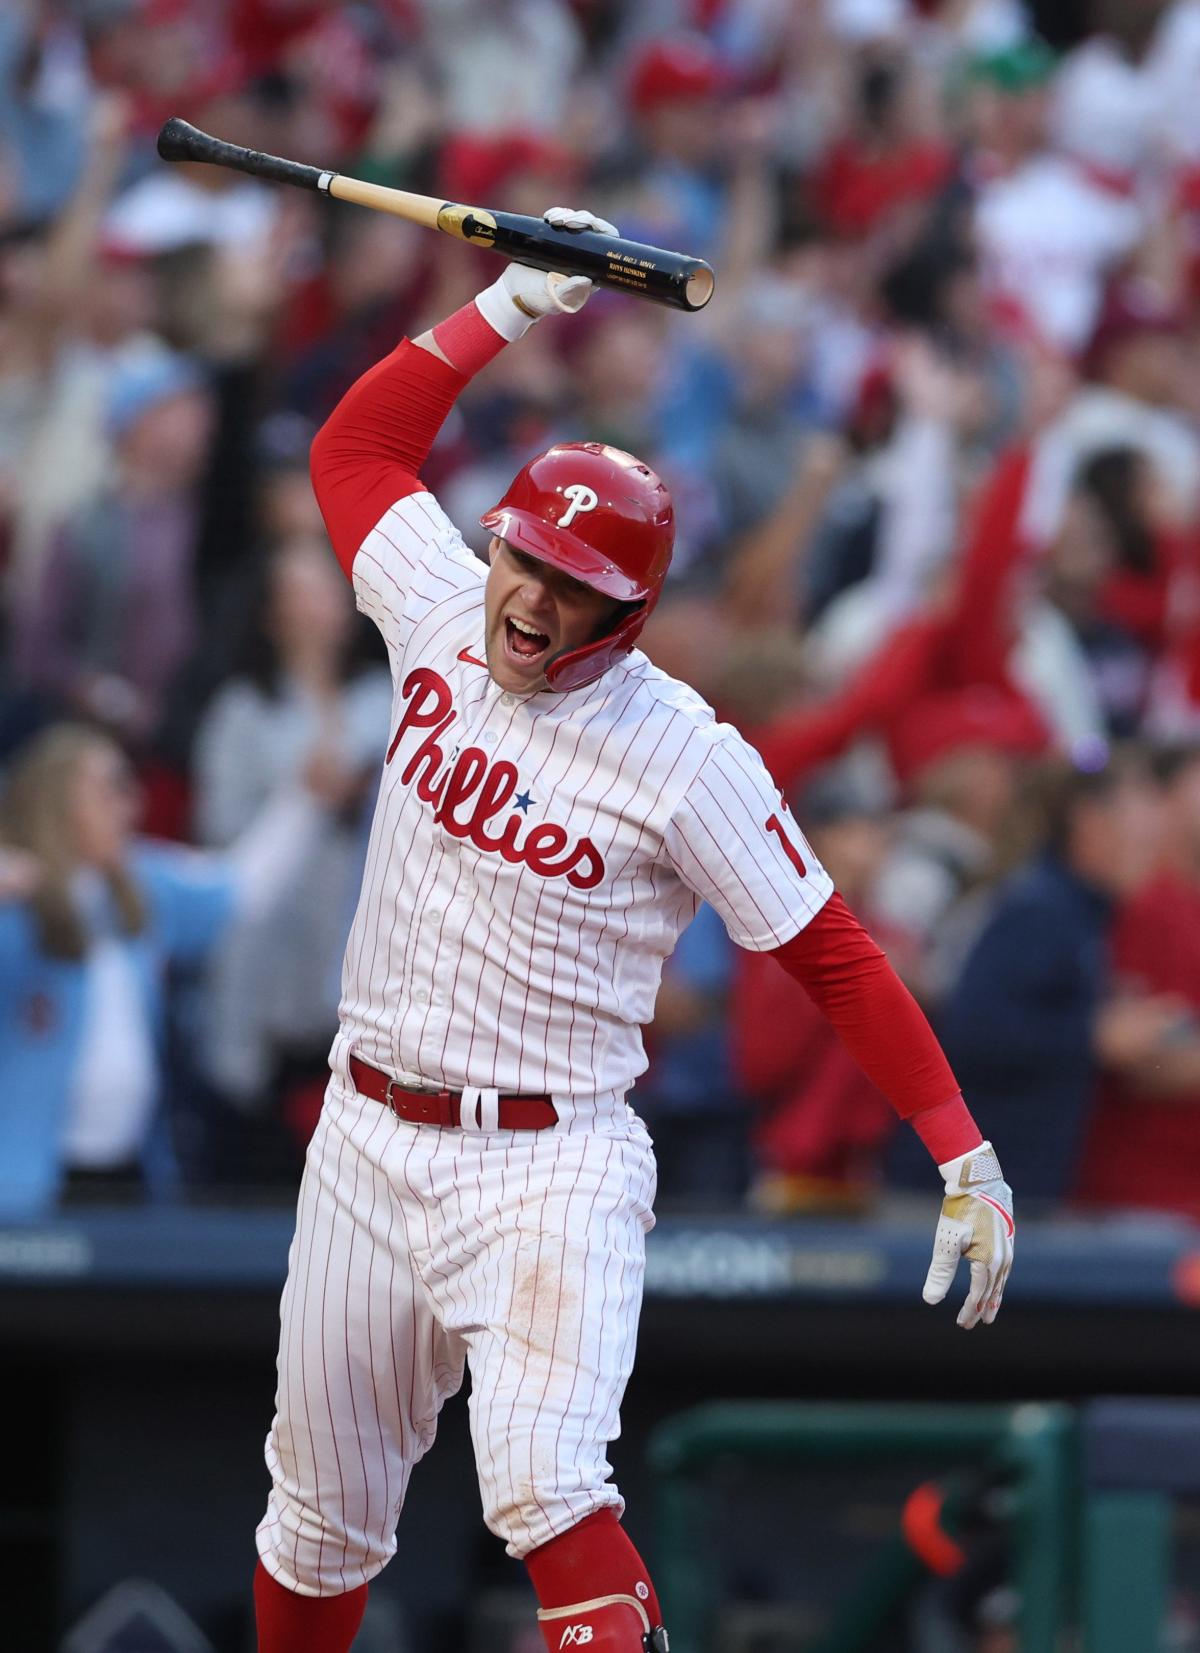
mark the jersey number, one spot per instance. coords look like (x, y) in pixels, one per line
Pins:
(775, 825)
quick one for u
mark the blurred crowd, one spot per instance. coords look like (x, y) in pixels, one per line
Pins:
(935, 450)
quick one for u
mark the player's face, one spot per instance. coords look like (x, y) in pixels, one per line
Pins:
(533, 614)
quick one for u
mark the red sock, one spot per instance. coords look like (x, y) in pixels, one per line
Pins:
(593, 1560)
(291, 1623)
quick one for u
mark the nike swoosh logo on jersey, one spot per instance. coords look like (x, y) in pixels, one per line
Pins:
(465, 654)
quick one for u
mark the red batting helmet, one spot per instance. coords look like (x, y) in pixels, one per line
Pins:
(603, 517)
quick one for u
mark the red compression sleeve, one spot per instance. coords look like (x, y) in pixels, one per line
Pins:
(367, 453)
(947, 1130)
(849, 979)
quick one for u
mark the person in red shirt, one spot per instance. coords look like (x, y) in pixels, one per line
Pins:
(886, 160)
(1143, 1149)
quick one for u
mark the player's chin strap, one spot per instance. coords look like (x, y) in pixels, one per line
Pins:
(608, 1624)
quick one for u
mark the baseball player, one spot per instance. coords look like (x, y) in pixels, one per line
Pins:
(552, 812)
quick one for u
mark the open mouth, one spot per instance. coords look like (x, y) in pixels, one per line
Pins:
(523, 642)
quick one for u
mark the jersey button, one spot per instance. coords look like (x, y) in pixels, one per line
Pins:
(489, 738)
(434, 915)
(421, 995)
(508, 700)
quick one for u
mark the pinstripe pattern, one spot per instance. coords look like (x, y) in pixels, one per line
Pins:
(419, 1251)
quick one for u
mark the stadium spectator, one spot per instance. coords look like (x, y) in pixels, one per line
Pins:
(304, 685)
(957, 758)
(1143, 1149)
(1136, 392)
(1036, 1013)
(354, 301)
(109, 617)
(892, 154)
(879, 563)
(1079, 661)
(674, 191)
(1049, 230)
(192, 206)
(80, 307)
(43, 89)
(773, 407)
(504, 67)
(1137, 594)
(91, 922)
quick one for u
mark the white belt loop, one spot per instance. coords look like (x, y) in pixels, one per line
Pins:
(489, 1110)
(479, 1109)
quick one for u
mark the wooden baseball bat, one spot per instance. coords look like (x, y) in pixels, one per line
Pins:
(646, 272)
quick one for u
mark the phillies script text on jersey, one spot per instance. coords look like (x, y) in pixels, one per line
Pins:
(468, 793)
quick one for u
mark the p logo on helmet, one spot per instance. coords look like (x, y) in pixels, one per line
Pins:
(582, 498)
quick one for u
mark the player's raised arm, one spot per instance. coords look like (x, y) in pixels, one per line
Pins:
(369, 452)
(734, 841)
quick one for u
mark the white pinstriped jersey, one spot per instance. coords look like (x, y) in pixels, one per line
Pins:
(534, 858)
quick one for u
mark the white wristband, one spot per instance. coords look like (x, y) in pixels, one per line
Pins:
(498, 308)
(980, 1164)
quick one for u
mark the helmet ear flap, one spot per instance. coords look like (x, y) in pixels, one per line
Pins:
(620, 613)
(585, 665)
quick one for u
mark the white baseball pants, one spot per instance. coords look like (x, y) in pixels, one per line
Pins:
(418, 1250)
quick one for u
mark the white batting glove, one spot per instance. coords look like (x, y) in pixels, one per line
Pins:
(976, 1223)
(524, 295)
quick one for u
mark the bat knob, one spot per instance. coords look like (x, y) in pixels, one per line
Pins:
(177, 139)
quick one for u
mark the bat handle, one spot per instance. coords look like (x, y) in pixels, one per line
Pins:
(179, 140)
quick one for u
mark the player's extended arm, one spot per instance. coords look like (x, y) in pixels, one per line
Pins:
(851, 982)
(368, 453)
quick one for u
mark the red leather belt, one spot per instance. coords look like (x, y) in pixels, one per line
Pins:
(515, 1113)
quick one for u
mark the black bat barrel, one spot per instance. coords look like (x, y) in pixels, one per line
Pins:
(631, 266)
